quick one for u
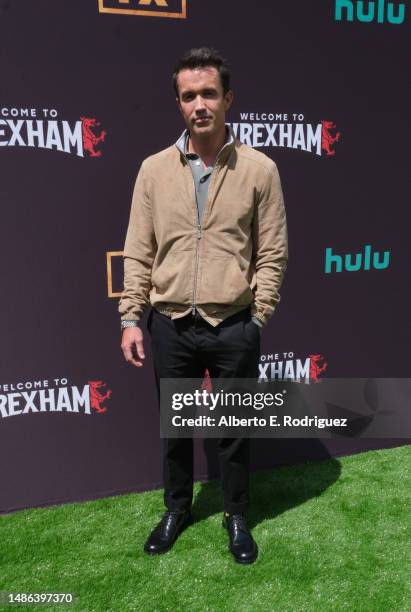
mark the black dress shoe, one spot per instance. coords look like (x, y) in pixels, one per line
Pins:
(163, 536)
(242, 544)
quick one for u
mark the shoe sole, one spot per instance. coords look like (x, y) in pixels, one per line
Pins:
(179, 532)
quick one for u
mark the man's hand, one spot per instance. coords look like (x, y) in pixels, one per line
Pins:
(132, 346)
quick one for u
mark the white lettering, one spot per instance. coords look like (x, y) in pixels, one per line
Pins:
(82, 399)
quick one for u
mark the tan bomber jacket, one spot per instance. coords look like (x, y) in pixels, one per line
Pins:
(235, 258)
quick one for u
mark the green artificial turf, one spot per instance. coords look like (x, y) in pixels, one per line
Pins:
(332, 535)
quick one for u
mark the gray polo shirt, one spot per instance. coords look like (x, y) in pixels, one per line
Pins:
(202, 178)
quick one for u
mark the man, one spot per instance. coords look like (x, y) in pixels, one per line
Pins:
(206, 246)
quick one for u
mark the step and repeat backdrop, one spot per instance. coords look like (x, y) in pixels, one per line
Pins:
(320, 87)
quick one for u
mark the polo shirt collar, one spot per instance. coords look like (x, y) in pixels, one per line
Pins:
(182, 141)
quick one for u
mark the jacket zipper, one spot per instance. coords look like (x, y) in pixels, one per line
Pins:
(197, 254)
(199, 236)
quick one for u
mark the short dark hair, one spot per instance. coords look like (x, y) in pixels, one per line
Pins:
(203, 57)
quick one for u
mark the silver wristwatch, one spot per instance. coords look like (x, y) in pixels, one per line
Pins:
(257, 322)
(130, 323)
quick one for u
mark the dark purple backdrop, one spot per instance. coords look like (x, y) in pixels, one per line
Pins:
(62, 213)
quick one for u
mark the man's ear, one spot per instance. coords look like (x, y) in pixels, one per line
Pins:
(228, 100)
(179, 105)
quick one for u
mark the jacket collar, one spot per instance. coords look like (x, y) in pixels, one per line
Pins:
(225, 151)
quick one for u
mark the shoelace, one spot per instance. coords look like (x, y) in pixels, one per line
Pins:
(167, 518)
(237, 523)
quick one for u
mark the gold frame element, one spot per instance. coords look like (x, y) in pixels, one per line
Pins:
(109, 255)
(182, 15)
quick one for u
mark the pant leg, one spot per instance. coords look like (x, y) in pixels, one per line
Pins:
(233, 351)
(175, 356)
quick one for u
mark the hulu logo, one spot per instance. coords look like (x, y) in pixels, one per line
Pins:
(354, 263)
(344, 10)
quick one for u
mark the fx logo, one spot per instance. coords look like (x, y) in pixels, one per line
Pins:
(148, 8)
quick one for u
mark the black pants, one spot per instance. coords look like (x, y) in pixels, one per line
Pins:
(185, 348)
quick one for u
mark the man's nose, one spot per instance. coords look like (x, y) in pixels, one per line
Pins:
(199, 104)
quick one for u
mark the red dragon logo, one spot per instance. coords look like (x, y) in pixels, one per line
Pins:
(327, 139)
(317, 366)
(90, 140)
(207, 385)
(96, 397)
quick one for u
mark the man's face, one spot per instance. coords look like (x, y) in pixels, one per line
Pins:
(202, 101)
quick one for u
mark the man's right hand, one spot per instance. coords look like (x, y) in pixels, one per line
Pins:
(132, 346)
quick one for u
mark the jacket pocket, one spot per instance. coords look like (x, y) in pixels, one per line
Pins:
(221, 281)
(172, 280)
